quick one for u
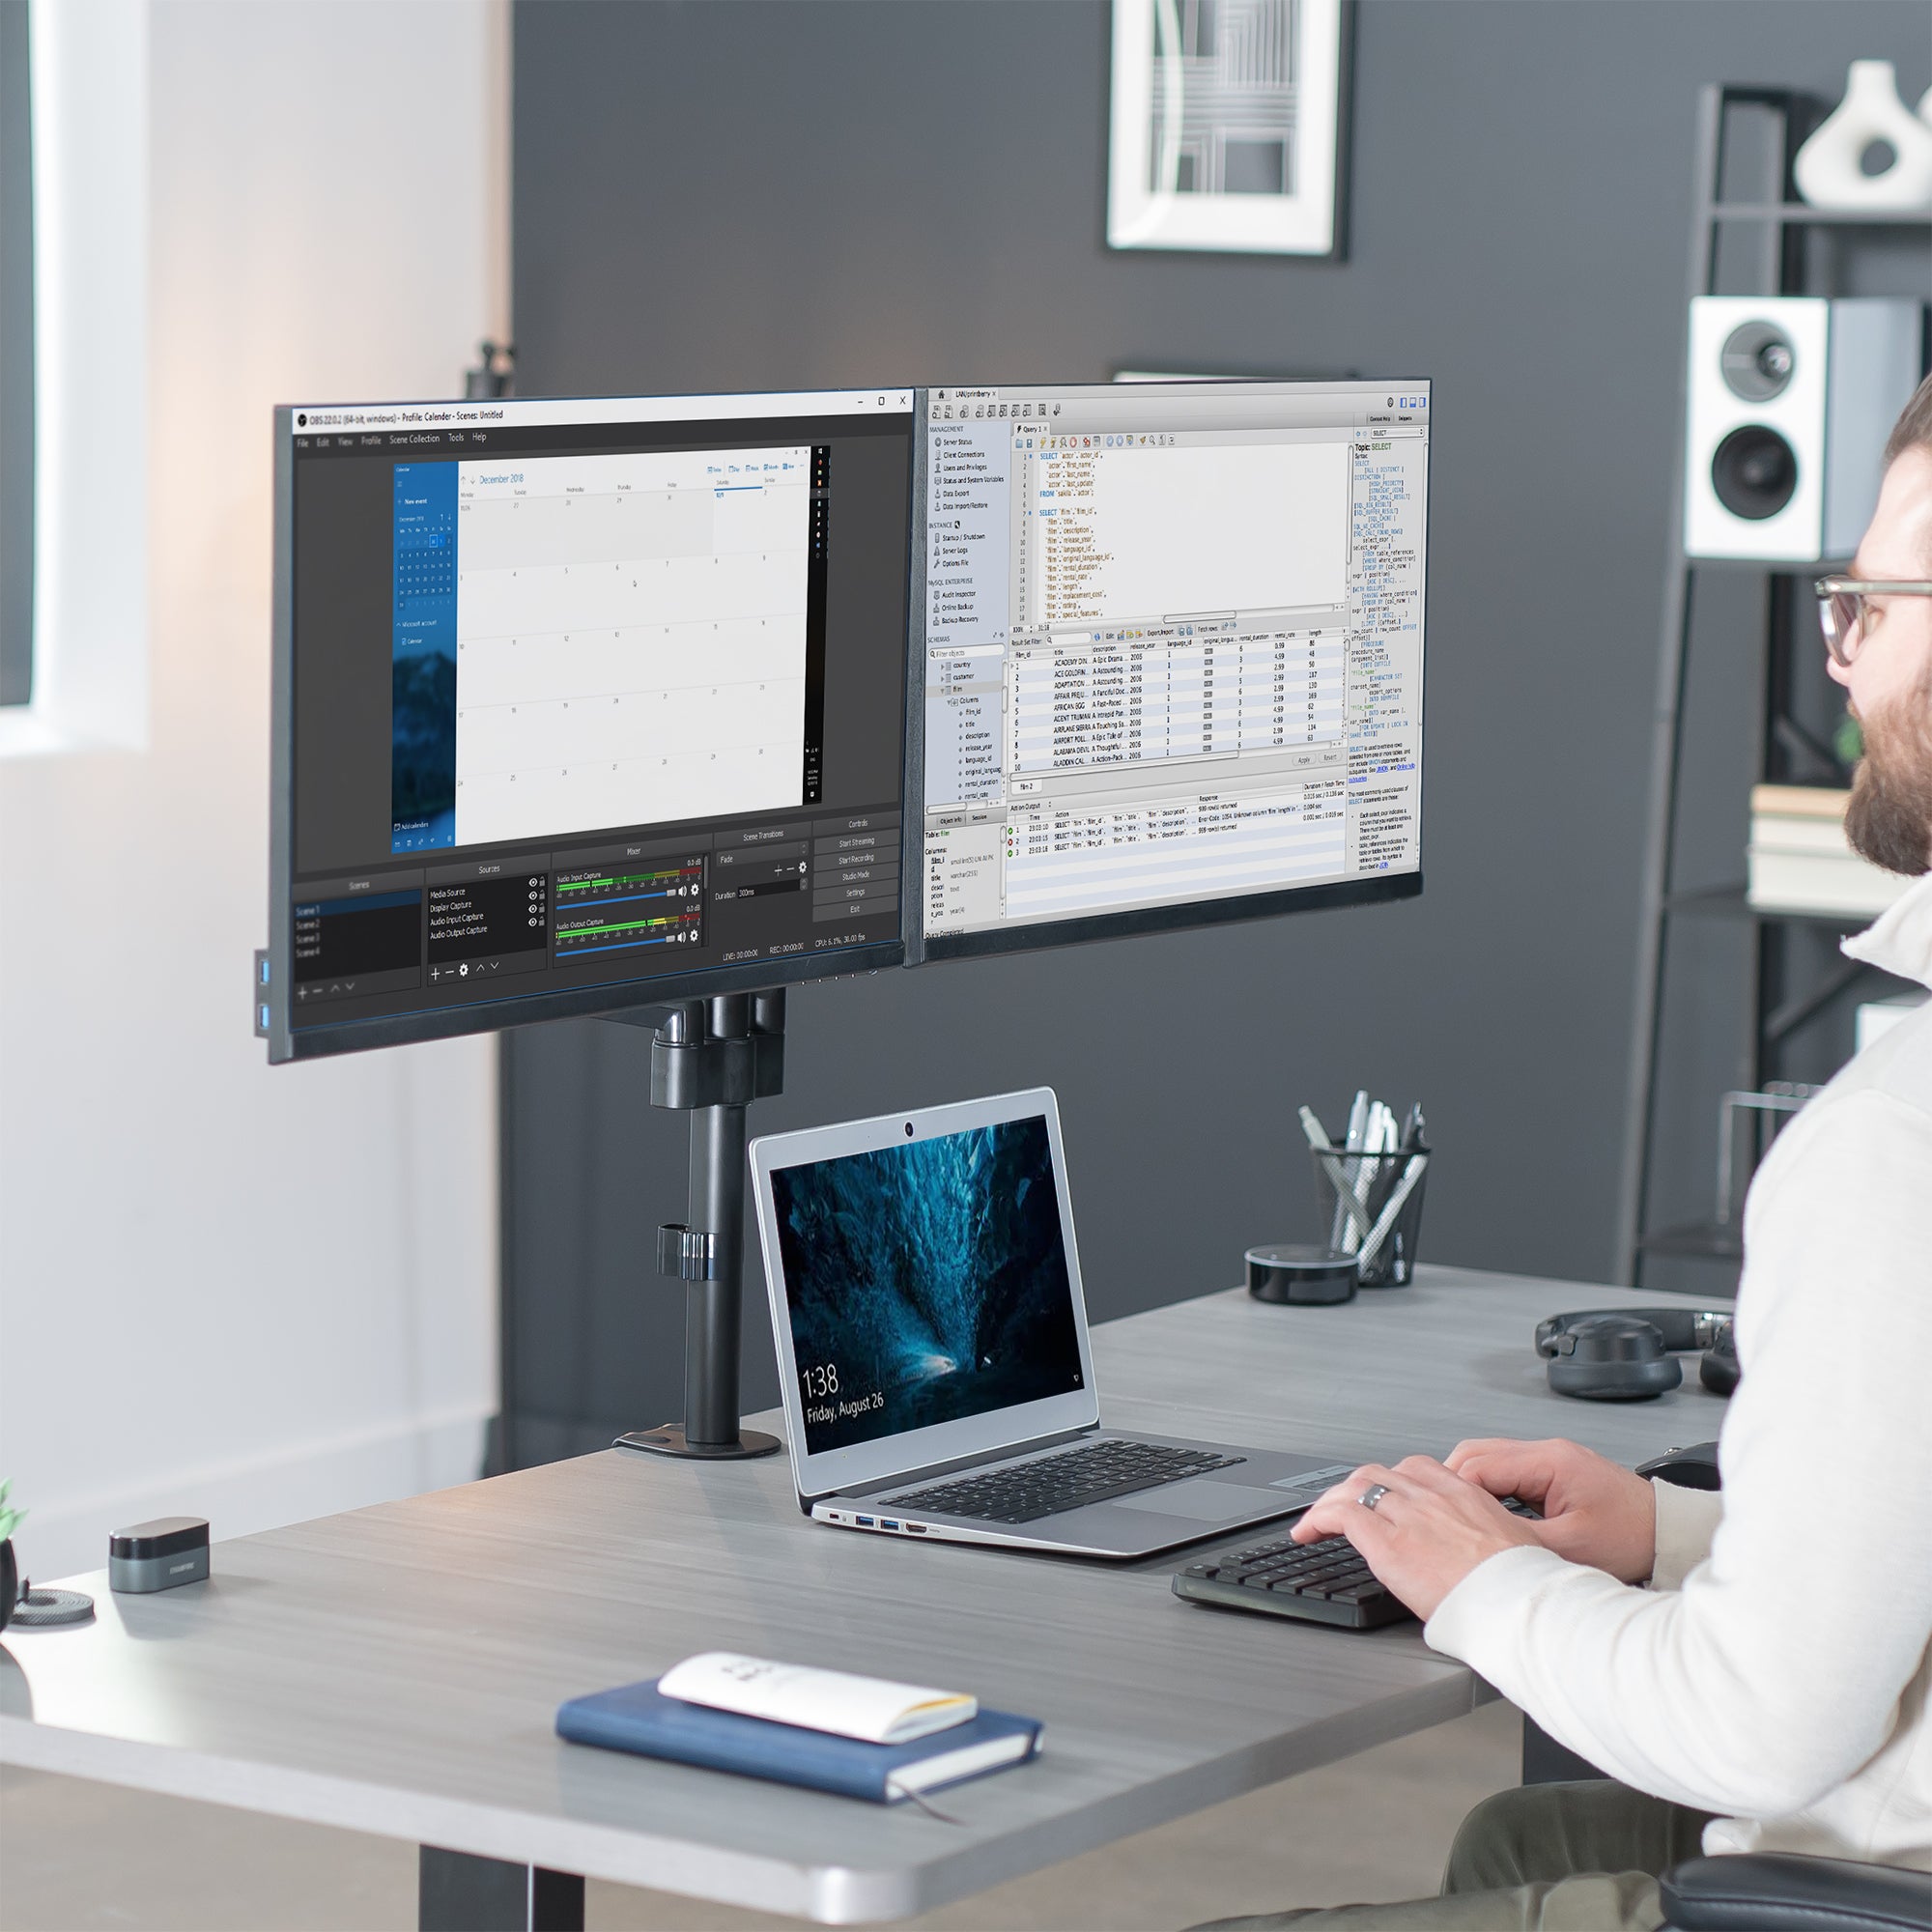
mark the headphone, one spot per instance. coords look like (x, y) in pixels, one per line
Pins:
(1624, 1354)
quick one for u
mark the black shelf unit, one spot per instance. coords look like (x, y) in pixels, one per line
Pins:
(1780, 997)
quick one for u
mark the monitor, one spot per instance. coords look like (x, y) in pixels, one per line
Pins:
(1172, 660)
(581, 705)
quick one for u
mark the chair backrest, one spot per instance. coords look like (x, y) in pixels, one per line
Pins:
(1749, 1891)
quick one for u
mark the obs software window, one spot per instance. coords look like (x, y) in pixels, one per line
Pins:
(592, 692)
(1173, 646)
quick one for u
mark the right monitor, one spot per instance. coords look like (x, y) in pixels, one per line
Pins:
(1171, 659)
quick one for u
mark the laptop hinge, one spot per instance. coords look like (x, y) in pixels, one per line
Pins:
(946, 1469)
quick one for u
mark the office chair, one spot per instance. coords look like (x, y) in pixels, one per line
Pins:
(1784, 1892)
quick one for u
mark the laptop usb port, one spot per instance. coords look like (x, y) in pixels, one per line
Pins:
(886, 1523)
(863, 1521)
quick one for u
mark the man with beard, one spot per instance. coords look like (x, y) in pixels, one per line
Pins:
(1753, 1668)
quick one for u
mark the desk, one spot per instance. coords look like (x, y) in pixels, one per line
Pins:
(396, 1669)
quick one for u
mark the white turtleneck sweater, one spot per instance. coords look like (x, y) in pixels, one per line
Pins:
(1777, 1667)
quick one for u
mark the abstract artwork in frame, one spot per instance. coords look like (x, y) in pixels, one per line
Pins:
(1229, 125)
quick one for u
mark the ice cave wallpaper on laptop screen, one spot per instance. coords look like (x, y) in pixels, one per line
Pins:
(926, 1282)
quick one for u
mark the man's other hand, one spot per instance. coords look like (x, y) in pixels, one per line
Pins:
(1425, 1535)
(1594, 1511)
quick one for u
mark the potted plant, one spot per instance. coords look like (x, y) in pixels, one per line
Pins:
(10, 1571)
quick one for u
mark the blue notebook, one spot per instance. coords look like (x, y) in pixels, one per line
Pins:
(635, 1717)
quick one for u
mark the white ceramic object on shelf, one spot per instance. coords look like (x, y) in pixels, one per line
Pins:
(1829, 168)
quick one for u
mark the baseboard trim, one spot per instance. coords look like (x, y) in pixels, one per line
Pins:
(241, 1495)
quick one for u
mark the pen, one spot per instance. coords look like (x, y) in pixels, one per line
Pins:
(1378, 1234)
(1375, 1175)
(1318, 1139)
(1380, 1175)
(1358, 1124)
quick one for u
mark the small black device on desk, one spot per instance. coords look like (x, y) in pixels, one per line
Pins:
(1325, 1582)
(158, 1555)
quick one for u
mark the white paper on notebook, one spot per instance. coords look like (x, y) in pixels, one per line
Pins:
(871, 1708)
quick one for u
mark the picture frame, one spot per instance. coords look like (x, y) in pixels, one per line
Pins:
(1228, 129)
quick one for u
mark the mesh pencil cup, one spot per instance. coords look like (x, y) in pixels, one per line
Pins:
(1370, 1206)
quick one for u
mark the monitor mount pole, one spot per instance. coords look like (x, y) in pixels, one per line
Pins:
(710, 1059)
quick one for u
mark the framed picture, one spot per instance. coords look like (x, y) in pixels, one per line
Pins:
(1229, 125)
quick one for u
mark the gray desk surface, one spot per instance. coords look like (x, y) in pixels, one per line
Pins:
(396, 1669)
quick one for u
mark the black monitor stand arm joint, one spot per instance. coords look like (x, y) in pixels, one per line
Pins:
(711, 1059)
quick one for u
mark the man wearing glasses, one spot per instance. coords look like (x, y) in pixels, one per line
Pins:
(1753, 1668)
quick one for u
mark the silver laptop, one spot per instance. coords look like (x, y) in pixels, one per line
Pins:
(934, 1351)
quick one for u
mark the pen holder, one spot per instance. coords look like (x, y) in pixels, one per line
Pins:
(1370, 1206)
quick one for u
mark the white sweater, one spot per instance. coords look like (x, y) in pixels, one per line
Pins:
(1777, 1670)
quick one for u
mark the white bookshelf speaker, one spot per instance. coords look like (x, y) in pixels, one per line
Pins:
(1791, 399)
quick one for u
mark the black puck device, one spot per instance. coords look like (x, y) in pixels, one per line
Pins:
(1301, 1272)
(158, 1555)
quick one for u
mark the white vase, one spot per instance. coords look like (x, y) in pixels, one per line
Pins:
(1828, 165)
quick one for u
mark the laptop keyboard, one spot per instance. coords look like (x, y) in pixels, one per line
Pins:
(1095, 1473)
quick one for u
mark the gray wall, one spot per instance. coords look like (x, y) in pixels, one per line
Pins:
(749, 195)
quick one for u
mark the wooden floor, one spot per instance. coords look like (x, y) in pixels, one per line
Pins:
(75, 1856)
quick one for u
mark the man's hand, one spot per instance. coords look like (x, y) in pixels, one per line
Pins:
(1422, 1538)
(1594, 1511)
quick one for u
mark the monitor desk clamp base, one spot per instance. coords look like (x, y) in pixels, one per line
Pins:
(711, 1059)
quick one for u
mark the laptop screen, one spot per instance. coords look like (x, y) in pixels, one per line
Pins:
(925, 1283)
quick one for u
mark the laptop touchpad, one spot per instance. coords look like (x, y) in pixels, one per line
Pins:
(1204, 1503)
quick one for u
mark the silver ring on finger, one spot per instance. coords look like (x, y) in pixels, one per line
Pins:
(1372, 1495)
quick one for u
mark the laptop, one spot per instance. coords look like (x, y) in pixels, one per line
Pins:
(933, 1350)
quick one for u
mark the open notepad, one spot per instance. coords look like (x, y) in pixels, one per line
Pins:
(872, 1709)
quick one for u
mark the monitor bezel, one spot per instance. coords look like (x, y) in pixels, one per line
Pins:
(888, 1457)
(287, 1042)
(1186, 914)
(1189, 916)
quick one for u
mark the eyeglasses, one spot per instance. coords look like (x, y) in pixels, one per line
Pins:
(1842, 614)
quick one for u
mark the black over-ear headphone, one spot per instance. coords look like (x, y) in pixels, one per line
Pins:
(1623, 1355)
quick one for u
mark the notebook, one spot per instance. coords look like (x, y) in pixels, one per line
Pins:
(640, 1717)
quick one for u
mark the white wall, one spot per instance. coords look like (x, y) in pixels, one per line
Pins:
(250, 1295)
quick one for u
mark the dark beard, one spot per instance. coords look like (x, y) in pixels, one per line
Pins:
(1889, 818)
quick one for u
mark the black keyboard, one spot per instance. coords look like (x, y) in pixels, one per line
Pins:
(1325, 1582)
(1095, 1473)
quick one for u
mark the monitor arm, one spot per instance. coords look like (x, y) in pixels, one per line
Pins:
(711, 1059)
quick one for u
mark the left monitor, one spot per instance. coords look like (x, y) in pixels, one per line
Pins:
(581, 705)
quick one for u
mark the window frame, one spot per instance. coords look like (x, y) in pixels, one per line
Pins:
(88, 73)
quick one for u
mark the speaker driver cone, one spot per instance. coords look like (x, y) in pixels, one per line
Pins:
(1757, 360)
(1754, 472)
